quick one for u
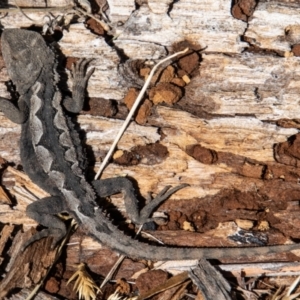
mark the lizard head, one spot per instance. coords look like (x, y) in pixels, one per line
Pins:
(26, 55)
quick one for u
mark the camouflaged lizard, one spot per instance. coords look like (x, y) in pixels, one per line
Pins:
(52, 156)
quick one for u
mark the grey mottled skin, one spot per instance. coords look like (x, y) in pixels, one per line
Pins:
(51, 155)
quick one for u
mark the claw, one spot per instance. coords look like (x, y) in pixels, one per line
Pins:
(79, 70)
(171, 191)
(79, 67)
(164, 194)
(163, 191)
(89, 73)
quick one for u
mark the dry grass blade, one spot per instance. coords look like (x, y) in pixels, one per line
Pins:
(282, 295)
(84, 284)
(132, 111)
(116, 296)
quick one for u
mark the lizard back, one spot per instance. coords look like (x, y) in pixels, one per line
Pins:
(50, 149)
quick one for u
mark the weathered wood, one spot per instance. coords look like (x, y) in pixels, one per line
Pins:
(254, 85)
(120, 11)
(204, 23)
(24, 293)
(29, 267)
(274, 25)
(210, 281)
(40, 3)
(6, 235)
(219, 138)
(262, 269)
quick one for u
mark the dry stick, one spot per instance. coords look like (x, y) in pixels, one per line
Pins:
(37, 9)
(132, 111)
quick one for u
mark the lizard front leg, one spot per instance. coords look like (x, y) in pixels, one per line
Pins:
(110, 186)
(43, 211)
(17, 114)
(80, 79)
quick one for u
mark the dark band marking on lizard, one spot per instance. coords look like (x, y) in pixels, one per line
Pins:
(53, 158)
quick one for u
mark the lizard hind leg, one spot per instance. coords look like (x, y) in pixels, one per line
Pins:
(43, 211)
(110, 186)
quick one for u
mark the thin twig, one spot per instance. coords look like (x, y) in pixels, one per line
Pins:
(70, 8)
(132, 111)
(20, 9)
(36, 9)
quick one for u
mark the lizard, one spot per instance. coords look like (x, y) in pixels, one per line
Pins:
(52, 156)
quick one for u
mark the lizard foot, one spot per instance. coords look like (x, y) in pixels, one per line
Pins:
(79, 70)
(80, 76)
(111, 186)
(150, 207)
